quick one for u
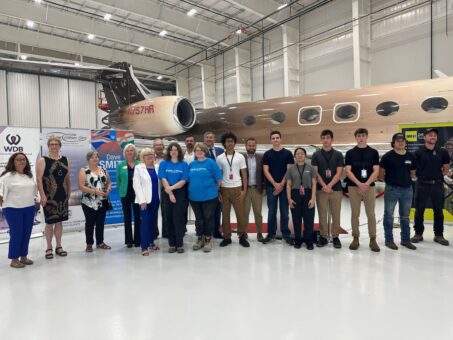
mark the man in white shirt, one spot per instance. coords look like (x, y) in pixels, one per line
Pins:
(189, 155)
(233, 189)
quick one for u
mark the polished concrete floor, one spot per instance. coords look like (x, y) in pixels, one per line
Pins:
(264, 292)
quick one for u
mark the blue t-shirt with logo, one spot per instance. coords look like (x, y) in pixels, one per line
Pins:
(203, 177)
(174, 172)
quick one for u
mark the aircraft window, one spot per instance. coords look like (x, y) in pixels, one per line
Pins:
(277, 118)
(310, 115)
(387, 109)
(249, 120)
(434, 104)
(346, 112)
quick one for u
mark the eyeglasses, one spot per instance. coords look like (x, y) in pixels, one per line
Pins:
(20, 160)
(54, 144)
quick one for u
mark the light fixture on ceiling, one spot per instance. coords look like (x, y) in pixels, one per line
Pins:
(282, 6)
(38, 1)
(159, 77)
(90, 36)
(77, 64)
(192, 12)
(23, 57)
(107, 17)
(240, 30)
(163, 33)
(141, 49)
(30, 24)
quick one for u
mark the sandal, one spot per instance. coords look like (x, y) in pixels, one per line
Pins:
(89, 248)
(60, 252)
(103, 246)
(17, 264)
(145, 253)
(153, 247)
(49, 254)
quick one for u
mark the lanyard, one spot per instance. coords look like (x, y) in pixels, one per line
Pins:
(325, 158)
(230, 163)
(301, 174)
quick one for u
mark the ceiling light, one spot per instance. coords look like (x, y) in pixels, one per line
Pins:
(192, 12)
(162, 33)
(76, 64)
(239, 31)
(30, 24)
(107, 17)
(23, 57)
(90, 36)
(282, 6)
(159, 77)
(141, 49)
(38, 1)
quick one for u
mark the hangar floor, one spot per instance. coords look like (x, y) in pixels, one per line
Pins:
(266, 292)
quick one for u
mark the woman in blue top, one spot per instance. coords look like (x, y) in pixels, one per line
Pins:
(146, 187)
(205, 178)
(174, 173)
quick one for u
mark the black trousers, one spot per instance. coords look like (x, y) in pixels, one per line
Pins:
(435, 191)
(128, 206)
(94, 218)
(302, 212)
(175, 216)
(204, 216)
(163, 207)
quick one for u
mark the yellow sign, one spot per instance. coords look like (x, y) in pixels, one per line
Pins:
(411, 136)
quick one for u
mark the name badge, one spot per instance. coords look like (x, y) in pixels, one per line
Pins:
(231, 176)
(407, 162)
(363, 173)
(302, 190)
(328, 173)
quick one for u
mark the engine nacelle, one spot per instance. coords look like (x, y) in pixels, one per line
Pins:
(157, 117)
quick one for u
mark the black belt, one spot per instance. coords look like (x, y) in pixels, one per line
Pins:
(431, 181)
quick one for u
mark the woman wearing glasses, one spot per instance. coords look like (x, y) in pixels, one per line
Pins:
(146, 187)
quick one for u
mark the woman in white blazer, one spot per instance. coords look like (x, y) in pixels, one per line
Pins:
(146, 187)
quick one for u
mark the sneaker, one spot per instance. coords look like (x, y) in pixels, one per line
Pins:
(26, 261)
(322, 242)
(180, 250)
(289, 241)
(207, 245)
(268, 239)
(441, 240)
(259, 237)
(225, 242)
(336, 243)
(199, 244)
(17, 264)
(243, 241)
(172, 250)
(310, 246)
(408, 245)
(417, 238)
(392, 245)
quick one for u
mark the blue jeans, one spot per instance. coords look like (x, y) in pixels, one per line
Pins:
(272, 202)
(402, 196)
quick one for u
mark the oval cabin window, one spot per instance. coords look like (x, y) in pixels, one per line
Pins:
(387, 109)
(249, 120)
(434, 104)
(310, 115)
(346, 112)
(278, 118)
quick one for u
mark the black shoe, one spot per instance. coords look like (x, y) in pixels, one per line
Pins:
(268, 239)
(336, 243)
(290, 241)
(218, 235)
(297, 244)
(243, 241)
(322, 242)
(225, 242)
(129, 245)
(310, 246)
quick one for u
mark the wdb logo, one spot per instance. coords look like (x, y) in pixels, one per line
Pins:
(13, 141)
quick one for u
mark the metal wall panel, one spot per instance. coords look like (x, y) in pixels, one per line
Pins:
(54, 102)
(23, 99)
(3, 101)
(82, 104)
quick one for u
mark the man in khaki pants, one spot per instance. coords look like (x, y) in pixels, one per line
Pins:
(233, 189)
(329, 164)
(254, 196)
(362, 170)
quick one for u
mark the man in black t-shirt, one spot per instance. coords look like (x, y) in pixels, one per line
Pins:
(397, 167)
(433, 163)
(329, 164)
(362, 170)
(276, 162)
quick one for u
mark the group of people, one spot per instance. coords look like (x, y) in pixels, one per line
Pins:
(212, 180)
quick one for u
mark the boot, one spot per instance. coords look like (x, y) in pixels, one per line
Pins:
(373, 244)
(199, 244)
(354, 244)
(259, 237)
(207, 244)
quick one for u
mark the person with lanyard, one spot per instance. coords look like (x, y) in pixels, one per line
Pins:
(362, 170)
(205, 178)
(54, 185)
(397, 167)
(254, 196)
(301, 193)
(17, 199)
(174, 173)
(158, 147)
(213, 152)
(189, 154)
(233, 189)
(124, 176)
(146, 187)
(433, 162)
(328, 164)
(276, 162)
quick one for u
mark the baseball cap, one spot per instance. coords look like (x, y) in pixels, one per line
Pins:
(429, 130)
(396, 136)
